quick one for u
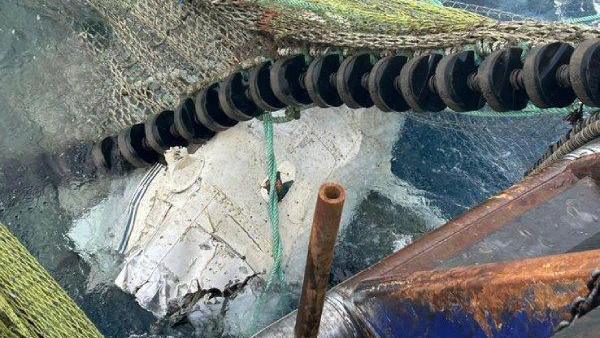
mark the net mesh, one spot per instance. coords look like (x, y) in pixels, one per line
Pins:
(152, 52)
(486, 11)
(401, 25)
(32, 304)
(149, 53)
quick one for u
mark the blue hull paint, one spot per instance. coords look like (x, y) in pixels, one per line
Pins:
(414, 320)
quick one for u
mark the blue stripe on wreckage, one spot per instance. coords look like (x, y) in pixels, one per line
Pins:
(390, 319)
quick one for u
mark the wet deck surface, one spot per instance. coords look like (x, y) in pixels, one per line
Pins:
(566, 223)
(587, 326)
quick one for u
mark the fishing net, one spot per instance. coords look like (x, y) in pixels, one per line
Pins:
(32, 304)
(493, 13)
(153, 52)
(150, 53)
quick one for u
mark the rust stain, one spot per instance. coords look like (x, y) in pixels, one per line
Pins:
(490, 290)
(326, 222)
(587, 166)
(463, 232)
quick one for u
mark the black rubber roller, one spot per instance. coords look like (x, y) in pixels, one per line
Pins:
(209, 112)
(320, 81)
(132, 146)
(541, 78)
(384, 84)
(261, 92)
(455, 82)
(415, 83)
(103, 153)
(287, 80)
(187, 124)
(161, 134)
(497, 83)
(352, 80)
(584, 72)
(234, 97)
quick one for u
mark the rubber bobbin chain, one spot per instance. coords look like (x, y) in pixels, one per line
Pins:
(552, 75)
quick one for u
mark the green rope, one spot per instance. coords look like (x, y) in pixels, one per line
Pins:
(276, 277)
(276, 272)
(584, 20)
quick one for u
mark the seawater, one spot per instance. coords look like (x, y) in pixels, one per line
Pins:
(456, 160)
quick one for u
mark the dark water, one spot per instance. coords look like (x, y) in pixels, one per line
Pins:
(373, 234)
(42, 74)
(458, 161)
(463, 160)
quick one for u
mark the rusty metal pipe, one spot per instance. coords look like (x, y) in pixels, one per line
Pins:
(326, 222)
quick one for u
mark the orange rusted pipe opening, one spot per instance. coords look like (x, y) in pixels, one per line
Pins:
(326, 222)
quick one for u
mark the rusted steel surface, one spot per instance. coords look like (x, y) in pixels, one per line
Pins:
(566, 223)
(587, 166)
(451, 240)
(326, 222)
(522, 298)
(461, 233)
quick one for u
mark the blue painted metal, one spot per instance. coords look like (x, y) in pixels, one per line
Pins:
(402, 297)
(525, 298)
(388, 319)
